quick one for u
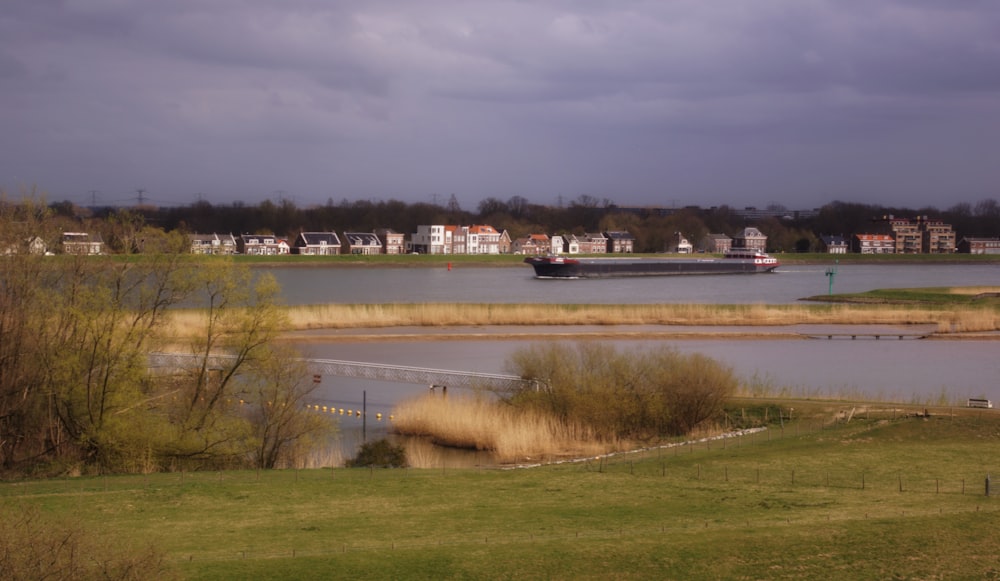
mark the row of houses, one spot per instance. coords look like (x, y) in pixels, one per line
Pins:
(306, 243)
(894, 236)
(430, 239)
(615, 242)
(906, 236)
(887, 244)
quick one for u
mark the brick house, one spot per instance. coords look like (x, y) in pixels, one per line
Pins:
(392, 242)
(979, 246)
(361, 243)
(718, 243)
(833, 244)
(620, 242)
(82, 243)
(262, 245)
(316, 244)
(593, 243)
(213, 244)
(532, 244)
(750, 238)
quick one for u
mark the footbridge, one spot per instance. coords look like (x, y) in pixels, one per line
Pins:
(442, 378)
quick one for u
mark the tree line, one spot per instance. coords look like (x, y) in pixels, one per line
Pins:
(77, 393)
(654, 228)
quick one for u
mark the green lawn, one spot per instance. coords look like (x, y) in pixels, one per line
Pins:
(884, 496)
(930, 296)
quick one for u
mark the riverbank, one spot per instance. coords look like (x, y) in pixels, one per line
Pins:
(515, 260)
(631, 332)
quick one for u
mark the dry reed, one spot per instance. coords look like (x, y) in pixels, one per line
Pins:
(183, 323)
(974, 290)
(440, 314)
(484, 424)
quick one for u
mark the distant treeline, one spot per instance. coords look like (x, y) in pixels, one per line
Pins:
(654, 228)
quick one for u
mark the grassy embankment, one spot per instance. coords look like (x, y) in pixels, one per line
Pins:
(883, 495)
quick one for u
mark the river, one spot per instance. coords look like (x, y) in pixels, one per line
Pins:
(517, 284)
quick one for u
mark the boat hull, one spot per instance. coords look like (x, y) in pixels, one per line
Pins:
(560, 267)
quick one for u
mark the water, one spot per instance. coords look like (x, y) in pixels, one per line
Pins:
(517, 284)
(909, 371)
(906, 371)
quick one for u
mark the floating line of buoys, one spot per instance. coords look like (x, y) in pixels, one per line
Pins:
(341, 411)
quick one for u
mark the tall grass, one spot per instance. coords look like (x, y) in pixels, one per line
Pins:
(348, 316)
(479, 423)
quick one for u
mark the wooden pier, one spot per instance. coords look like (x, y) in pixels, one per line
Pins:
(875, 336)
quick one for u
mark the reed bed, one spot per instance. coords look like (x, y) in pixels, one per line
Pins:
(974, 290)
(338, 316)
(184, 323)
(479, 423)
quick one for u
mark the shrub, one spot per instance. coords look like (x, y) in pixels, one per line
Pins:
(380, 454)
(628, 395)
(35, 547)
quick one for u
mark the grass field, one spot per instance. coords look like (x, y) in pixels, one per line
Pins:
(888, 494)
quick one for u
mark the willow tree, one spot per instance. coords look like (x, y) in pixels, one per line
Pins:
(26, 426)
(242, 400)
(277, 388)
(75, 334)
(105, 316)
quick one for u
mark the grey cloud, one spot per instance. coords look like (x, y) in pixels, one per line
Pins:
(637, 96)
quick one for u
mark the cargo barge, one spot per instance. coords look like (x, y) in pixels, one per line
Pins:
(736, 261)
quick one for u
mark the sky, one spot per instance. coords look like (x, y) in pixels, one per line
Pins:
(661, 102)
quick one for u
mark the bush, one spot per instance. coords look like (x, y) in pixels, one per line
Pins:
(35, 547)
(379, 454)
(629, 395)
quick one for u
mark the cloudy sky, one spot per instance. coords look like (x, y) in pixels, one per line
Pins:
(663, 102)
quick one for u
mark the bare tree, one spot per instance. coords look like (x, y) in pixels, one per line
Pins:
(277, 389)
